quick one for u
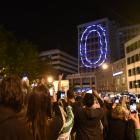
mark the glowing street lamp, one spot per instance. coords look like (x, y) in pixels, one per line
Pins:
(105, 66)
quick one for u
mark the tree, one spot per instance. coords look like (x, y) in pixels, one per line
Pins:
(18, 57)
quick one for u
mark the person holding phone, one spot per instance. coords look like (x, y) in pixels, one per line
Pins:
(88, 119)
(135, 118)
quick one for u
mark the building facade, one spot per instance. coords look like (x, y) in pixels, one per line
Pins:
(124, 34)
(82, 82)
(102, 41)
(119, 75)
(96, 45)
(132, 53)
(61, 61)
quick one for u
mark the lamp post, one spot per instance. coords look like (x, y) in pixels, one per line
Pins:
(104, 68)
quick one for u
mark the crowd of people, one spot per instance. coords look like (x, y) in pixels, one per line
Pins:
(33, 114)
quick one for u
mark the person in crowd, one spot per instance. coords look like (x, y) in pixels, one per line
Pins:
(68, 121)
(120, 125)
(39, 112)
(135, 118)
(11, 96)
(124, 101)
(88, 119)
(70, 97)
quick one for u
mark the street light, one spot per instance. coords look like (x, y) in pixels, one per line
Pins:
(105, 66)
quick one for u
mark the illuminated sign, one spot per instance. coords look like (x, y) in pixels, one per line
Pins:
(85, 58)
(118, 73)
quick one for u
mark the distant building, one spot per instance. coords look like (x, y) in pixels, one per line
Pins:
(124, 34)
(132, 53)
(96, 45)
(102, 41)
(119, 75)
(82, 82)
(60, 60)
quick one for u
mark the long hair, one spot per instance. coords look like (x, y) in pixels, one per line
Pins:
(38, 111)
(11, 94)
(119, 113)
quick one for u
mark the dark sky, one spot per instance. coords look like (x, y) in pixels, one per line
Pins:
(54, 24)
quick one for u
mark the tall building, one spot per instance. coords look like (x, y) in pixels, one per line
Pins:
(132, 53)
(102, 41)
(119, 75)
(60, 60)
(124, 34)
(96, 43)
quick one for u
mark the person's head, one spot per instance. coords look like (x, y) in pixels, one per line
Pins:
(11, 92)
(88, 100)
(70, 94)
(40, 89)
(119, 112)
(38, 111)
(124, 99)
(39, 102)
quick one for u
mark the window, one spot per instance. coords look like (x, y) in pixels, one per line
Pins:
(130, 84)
(136, 57)
(129, 72)
(133, 71)
(127, 50)
(135, 84)
(132, 59)
(138, 83)
(128, 60)
(138, 70)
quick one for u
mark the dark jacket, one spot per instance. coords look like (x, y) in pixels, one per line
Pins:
(121, 130)
(88, 124)
(11, 128)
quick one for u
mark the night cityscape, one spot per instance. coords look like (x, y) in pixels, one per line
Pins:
(70, 70)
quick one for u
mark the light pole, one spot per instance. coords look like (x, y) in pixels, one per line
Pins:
(104, 68)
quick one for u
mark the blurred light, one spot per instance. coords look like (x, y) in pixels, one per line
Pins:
(105, 66)
(25, 78)
(117, 73)
(50, 79)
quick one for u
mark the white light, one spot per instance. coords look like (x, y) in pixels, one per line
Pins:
(104, 66)
(117, 73)
(25, 78)
(50, 79)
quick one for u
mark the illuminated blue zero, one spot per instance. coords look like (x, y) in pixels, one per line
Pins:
(93, 63)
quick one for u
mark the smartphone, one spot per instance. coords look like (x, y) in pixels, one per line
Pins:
(51, 91)
(117, 101)
(133, 108)
(89, 91)
(25, 78)
(62, 95)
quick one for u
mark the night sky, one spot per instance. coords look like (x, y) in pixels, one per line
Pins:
(54, 24)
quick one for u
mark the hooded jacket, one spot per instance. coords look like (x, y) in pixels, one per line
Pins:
(11, 128)
(88, 124)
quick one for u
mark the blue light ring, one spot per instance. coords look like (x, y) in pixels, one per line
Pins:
(83, 53)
